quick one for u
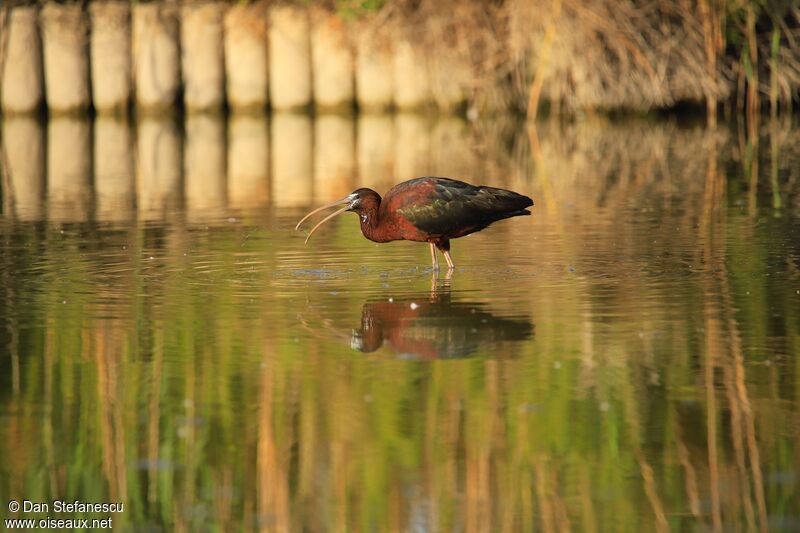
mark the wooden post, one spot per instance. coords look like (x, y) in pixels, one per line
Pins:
(202, 57)
(246, 61)
(332, 61)
(22, 86)
(412, 88)
(289, 57)
(374, 70)
(111, 56)
(156, 57)
(65, 36)
(450, 76)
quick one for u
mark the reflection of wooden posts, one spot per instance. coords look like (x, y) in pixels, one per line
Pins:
(374, 70)
(201, 48)
(291, 159)
(23, 152)
(69, 189)
(451, 150)
(412, 88)
(332, 61)
(289, 57)
(412, 146)
(158, 167)
(114, 185)
(248, 161)
(156, 56)
(204, 163)
(334, 157)
(66, 58)
(246, 69)
(375, 151)
(21, 81)
(111, 55)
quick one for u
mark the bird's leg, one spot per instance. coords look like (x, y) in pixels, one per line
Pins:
(433, 257)
(450, 265)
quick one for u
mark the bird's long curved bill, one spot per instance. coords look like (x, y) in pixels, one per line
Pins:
(327, 218)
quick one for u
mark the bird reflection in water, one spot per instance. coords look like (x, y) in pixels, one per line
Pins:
(437, 327)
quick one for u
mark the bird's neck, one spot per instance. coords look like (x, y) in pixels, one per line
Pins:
(371, 222)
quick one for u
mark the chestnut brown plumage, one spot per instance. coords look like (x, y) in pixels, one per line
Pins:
(429, 209)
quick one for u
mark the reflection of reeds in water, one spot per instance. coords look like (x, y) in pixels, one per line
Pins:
(681, 427)
(622, 414)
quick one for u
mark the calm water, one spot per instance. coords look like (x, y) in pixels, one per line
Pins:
(627, 359)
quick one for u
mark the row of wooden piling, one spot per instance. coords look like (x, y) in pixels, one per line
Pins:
(211, 55)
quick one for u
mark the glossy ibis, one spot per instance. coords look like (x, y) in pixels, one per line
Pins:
(429, 209)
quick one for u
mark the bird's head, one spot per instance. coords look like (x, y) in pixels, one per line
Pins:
(360, 201)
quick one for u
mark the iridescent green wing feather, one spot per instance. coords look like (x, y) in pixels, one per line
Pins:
(451, 206)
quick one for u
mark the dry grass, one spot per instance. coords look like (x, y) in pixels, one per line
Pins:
(611, 54)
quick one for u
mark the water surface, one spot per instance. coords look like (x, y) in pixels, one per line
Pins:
(625, 359)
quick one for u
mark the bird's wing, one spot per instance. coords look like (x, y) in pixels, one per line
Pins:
(443, 206)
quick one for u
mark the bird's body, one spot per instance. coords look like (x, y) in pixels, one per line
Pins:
(430, 209)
